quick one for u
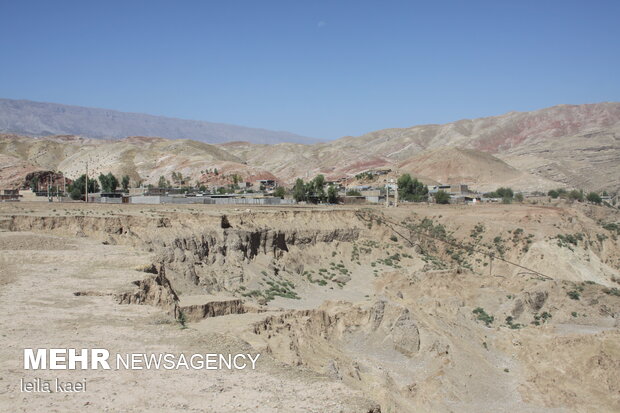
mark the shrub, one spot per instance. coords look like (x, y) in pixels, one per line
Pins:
(182, 320)
(511, 324)
(76, 194)
(574, 295)
(594, 198)
(576, 195)
(332, 194)
(613, 227)
(279, 192)
(442, 197)
(483, 316)
(501, 193)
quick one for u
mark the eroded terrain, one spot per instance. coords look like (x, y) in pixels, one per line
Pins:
(418, 308)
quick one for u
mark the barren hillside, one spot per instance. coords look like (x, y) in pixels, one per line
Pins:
(569, 146)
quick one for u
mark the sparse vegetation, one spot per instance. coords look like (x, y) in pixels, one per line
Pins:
(612, 291)
(182, 320)
(510, 322)
(483, 316)
(566, 240)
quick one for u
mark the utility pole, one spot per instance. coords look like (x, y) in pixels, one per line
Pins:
(86, 183)
(387, 196)
(396, 197)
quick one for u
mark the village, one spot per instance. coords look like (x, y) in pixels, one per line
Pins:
(368, 187)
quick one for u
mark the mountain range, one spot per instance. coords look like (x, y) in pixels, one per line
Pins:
(30, 118)
(573, 146)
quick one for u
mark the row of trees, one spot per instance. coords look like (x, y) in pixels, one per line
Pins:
(109, 183)
(314, 191)
(506, 194)
(576, 195)
(77, 188)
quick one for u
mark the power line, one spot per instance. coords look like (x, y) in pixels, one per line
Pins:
(453, 244)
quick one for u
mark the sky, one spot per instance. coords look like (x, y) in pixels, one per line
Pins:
(322, 69)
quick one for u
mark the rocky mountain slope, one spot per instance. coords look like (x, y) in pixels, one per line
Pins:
(43, 119)
(562, 146)
(566, 145)
(143, 159)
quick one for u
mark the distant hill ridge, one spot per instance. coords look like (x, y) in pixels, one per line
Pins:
(573, 146)
(42, 119)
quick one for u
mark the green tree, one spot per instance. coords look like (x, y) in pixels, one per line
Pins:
(279, 192)
(78, 187)
(34, 183)
(299, 190)
(576, 195)
(353, 192)
(215, 171)
(112, 183)
(317, 188)
(505, 192)
(519, 197)
(103, 180)
(125, 182)
(332, 195)
(76, 194)
(109, 183)
(162, 183)
(553, 193)
(442, 197)
(594, 198)
(410, 189)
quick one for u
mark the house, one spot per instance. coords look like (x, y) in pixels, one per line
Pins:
(372, 195)
(266, 184)
(111, 198)
(454, 189)
(9, 195)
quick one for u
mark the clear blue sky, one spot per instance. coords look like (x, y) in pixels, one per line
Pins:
(318, 68)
